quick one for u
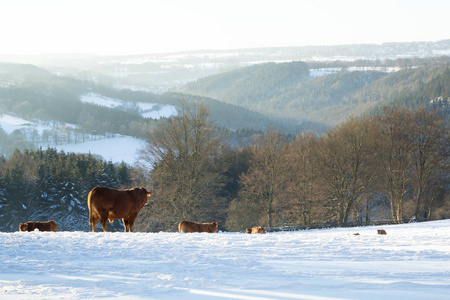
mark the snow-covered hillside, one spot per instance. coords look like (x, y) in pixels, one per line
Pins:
(63, 137)
(147, 110)
(410, 262)
(10, 124)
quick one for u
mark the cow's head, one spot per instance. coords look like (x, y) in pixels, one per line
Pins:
(214, 226)
(260, 229)
(23, 227)
(146, 193)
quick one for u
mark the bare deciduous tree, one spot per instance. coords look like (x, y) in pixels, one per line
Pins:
(263, 183)
(186, 171)
(394, 148)
(430, 150)
(343, 164)
(302, 195)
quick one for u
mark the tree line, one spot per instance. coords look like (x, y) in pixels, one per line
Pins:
(394, 166)
(389, 167)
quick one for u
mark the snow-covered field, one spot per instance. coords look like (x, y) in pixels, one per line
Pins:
(9, 124)
(411, 262)
(147, 110)
(117, 149)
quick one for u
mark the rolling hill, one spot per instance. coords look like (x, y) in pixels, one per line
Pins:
(288, 90)
(56, 110)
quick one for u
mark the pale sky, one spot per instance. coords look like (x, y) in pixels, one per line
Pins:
(147, 26)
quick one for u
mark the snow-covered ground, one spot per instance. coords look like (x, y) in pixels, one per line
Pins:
(411, 262)
(9, 124)
(157, 111)
(116, 149)
(147, 110)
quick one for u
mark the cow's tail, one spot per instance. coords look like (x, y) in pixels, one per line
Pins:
(89, 202)
(180, 225)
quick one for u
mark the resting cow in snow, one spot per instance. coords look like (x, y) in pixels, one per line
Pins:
(109, 204)
(187, 226)
(254, 230)
(41, 226)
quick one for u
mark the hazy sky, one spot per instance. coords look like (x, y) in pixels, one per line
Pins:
(147, 26)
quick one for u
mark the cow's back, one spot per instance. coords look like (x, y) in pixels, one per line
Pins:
(41, 226)
(188, 227)
(257, 229)
(52, 226)
(119, 202)
(100, 197)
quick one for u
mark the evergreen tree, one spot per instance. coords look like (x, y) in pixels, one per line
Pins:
(17, 205)
(42, 185)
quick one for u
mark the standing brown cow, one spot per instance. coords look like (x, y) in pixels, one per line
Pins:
(41, 226)
(188, 226)
(109, 204)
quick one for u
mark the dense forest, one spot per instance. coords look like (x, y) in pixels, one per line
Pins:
(287, 90)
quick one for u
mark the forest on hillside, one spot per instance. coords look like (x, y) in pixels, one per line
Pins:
(288, 90)
(284, 95)
(33, 94)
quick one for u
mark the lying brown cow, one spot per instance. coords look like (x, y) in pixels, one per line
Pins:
(41, 226)
(254, 230)
(381, 231)
(109, 204)
(187, 226)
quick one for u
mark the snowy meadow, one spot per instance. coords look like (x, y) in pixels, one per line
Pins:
(411, 262)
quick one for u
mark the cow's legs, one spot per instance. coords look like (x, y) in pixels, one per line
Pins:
(131, 226)
(126, 224)
(93, 220)
(103, 221)
(131, 221)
